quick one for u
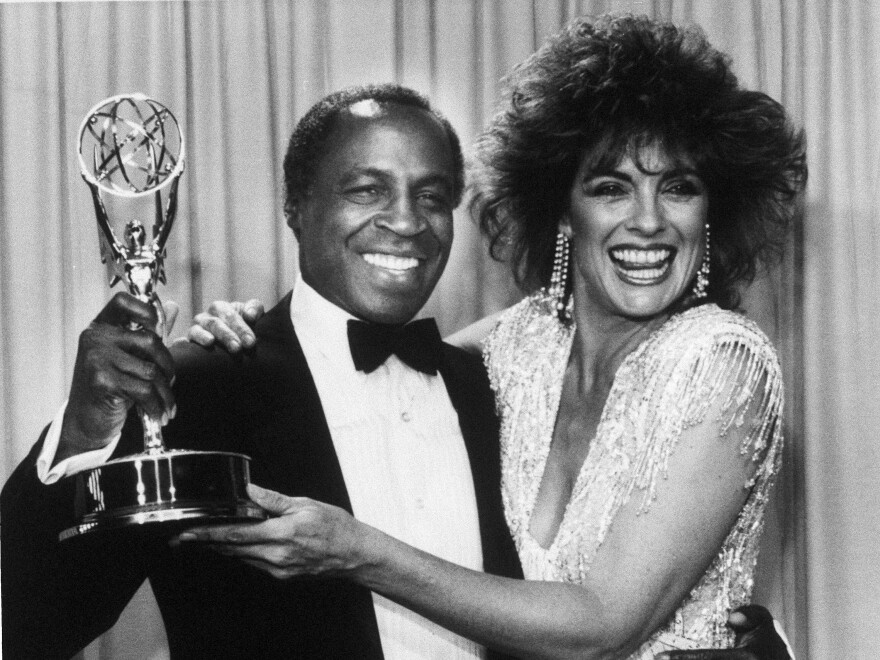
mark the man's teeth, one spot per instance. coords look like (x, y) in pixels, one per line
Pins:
(390, 261)
(639, 257)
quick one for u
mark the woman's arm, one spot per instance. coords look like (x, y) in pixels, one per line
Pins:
(639, 576)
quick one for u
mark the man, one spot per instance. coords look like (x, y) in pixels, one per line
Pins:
(407, 443)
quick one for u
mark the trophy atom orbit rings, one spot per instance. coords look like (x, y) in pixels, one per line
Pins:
(131, 146)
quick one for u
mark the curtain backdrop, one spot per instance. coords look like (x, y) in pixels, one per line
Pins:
(238, 73)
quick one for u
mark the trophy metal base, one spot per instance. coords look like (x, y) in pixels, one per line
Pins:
(163, 492)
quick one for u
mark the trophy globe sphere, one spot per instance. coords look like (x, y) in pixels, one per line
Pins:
(130, 145)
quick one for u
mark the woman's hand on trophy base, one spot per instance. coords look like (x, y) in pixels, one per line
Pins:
(227, 324)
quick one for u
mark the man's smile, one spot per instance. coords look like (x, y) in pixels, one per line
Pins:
(390, 261)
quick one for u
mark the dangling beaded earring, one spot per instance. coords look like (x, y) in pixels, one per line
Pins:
(559, 279)
(702, 281)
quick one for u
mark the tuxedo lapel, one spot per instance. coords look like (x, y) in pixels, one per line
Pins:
(468, 387)
(298, 455)
(293, 453)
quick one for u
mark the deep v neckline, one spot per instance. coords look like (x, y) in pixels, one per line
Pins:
(547, 439)
(546, 444)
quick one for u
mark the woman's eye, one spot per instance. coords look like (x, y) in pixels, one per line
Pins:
(607, 189)
(684, 189)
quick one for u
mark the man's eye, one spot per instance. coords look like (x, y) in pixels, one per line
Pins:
(364, 194)
(433, 200)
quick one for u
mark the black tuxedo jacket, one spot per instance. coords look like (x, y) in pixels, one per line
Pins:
(58, 597)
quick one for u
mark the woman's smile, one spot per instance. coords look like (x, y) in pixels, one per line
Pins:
(642, 266)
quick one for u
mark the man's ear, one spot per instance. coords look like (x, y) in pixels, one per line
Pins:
(292, 215)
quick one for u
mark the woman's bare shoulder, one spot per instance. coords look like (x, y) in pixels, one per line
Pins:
(471, 338)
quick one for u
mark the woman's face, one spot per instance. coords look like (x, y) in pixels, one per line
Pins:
(638, 238)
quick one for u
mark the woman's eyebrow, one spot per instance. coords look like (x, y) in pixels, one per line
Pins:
(683, 170)
(609, 171)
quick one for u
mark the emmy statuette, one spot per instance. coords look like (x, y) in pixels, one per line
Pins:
(131, 146)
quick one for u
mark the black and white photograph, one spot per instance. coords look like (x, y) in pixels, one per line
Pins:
(440, 329)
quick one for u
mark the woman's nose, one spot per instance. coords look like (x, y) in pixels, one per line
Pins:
(647, 217)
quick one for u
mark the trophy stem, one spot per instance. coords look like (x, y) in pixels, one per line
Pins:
(154, 444)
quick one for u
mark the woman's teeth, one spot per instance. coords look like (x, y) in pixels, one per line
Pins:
(646, 274)
(642, 265)
(640, 257)
(390, 261)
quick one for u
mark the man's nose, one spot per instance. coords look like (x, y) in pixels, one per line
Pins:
(403, 217)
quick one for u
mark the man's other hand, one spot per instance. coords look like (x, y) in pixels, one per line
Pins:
(228, 324)
(757, 638)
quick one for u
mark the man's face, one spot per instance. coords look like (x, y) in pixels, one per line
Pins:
(376, 226)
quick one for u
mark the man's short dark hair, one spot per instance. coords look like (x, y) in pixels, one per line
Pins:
(307, 142)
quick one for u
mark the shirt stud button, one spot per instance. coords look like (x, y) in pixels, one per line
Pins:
(405, 416)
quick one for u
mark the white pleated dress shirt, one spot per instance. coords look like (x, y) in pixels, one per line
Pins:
(404, 461)
(402, 455)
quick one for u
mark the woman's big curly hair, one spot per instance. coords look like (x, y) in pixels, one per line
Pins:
(608, 88)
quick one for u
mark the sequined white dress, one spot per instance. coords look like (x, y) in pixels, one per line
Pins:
(664, 386)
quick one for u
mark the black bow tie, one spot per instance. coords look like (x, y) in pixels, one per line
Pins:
(417, 344)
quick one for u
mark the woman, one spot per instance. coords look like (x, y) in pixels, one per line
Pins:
(632, 179)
